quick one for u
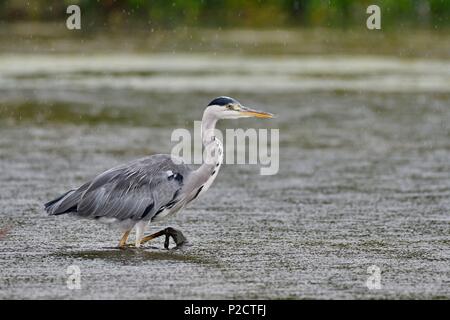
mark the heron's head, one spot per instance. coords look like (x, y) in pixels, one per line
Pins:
(229, 108)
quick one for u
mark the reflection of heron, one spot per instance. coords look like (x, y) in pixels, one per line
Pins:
(151, 188)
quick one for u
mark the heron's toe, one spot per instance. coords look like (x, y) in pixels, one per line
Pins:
(176, 235)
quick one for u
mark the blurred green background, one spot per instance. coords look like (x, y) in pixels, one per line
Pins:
(234, 13)
(410, 28)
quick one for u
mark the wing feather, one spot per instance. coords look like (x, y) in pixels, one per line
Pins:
(134, 191)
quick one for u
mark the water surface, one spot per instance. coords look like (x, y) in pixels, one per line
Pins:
(364, 175)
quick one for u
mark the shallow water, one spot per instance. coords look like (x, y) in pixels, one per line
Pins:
(364, 176)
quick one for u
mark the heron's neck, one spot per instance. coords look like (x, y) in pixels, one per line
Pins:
(202, 178)
(213, 149)
(208, 128)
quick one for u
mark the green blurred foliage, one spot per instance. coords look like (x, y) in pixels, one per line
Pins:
(233, 13)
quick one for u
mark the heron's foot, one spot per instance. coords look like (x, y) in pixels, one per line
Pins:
(169, 232)
(177, 236)
(126, 246)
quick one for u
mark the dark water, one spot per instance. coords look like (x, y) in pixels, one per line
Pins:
(364, 176)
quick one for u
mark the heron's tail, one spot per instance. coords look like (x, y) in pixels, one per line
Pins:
(65, 203)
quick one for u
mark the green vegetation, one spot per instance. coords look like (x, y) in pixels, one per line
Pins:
(233, 13)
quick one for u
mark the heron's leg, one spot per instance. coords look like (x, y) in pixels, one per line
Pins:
(123, 241)
(153, 236)
(140, 228)
(176, 235)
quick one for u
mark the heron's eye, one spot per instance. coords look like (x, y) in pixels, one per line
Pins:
(232, 107)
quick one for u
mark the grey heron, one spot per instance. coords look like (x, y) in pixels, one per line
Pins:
(148, 189)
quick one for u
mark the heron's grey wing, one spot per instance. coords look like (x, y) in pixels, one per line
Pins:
(68, 202)
(134, 191)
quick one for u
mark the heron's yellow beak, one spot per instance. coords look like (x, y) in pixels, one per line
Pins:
(254, 113)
